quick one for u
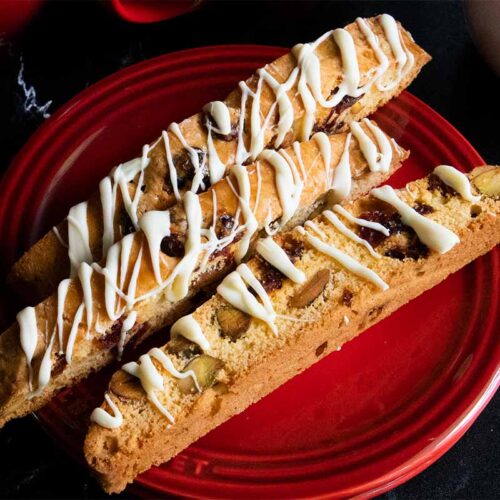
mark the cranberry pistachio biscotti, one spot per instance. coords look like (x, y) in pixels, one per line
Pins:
(150, 276)
(343, 76)
(306, 293)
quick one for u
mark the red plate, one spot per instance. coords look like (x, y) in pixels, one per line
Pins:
(359, 422)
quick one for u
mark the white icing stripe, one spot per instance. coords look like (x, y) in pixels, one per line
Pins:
(375, 45)
(62, 292)
(345, 260)
(172, 171)
(45, 367)
(155, 225)
(127, 325)
(377, 161)
(251, 224)
(325, 149)
(288, 184)
(108, 213)
(73, 333)
(104, 419)
(190, 329)
(285, 107)
(151, 379)
(298, 155)
(270, 251)
(220, 114)
(311, 225)
(180, 277)
(197, 181)
(404, 58)
(78, 237)
(342, 177)
(234, 290)
(110, 273)
(430, 233)
(216, 168)
(85, 276)
(457, 181)
(361, 222)
(59, 237)
(241, 150)
(28, 336)
(337, 223)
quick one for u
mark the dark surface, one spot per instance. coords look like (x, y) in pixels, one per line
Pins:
(70, 45)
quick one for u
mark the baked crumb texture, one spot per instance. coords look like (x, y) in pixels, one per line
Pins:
(252, 360)
(201, 149)
(134, 284)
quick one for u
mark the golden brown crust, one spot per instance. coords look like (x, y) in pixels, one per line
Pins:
(92, 352)
(40, 269)
(258, 362)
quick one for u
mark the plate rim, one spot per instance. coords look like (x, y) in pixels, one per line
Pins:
(425, 457)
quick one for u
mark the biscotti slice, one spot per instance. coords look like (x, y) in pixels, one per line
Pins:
(343, 76)
(150, 276)
(309, 291)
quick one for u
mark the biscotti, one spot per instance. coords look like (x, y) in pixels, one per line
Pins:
(150, 276)
(343, 76)
(309, 291)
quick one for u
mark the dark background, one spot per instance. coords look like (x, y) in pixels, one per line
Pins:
(72, 44)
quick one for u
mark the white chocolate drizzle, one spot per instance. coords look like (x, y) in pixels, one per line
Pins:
(342, 228)
(404, 58)
(288, 184)
(233, 289)
(457, 181)
(179, 279)
(429, 232)
(28, 332)
(220, 114)
(152, 380)
(155, 225)
(85, 276)
(104, 419)
(325, 149)
(127, 325)
(190, 329)
(305, 79)
(342, 177)
(360, 222)
(250, 222)
(290, 174)
(270, 251)
(378, 161)
(345, 260)
(78, 237)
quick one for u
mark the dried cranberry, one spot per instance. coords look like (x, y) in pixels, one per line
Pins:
(59, 364)
(391, 221)
(330, 124)
(271, 279)
(112, 336)
(224, 225)
(172, 246)
(416, 249)
(423, 208)
(126, 223)
(293, 248)
(436, 184)
(185, 169)
(347, 296)
(395, 253)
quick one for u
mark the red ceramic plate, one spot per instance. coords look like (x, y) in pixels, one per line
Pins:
(362, 420)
